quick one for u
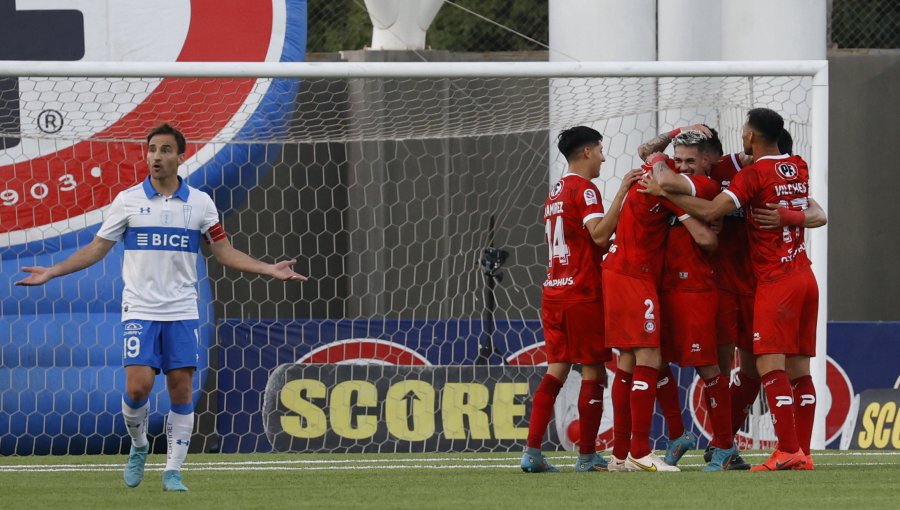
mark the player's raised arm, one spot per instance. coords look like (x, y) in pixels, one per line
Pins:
(775, 216)
(85, 257)
(602, 229)
(662, 140)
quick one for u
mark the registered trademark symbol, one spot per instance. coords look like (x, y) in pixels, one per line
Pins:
(50, 121)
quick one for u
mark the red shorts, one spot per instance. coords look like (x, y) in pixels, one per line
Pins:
(632, 311)
(735, 320)
(689, 327)
(784, 317)
(573, 333)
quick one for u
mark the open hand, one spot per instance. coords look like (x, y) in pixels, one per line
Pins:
(650, 186)
(768, 218)
(698, 127)
(284, 271)
(39, 276)
(633, 176)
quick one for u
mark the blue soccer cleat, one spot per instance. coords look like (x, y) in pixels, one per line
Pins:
(172, 482)
(536, 463)
(593, 462)
(134, 468)
(721, 459)
(737, 462)
(678, 447)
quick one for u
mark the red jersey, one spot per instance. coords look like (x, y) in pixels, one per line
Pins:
(734, 273)
(573, 271)
(686, 266)
(640, 236)
(781, 180)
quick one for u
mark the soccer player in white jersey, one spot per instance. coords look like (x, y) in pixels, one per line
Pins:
(161, 221)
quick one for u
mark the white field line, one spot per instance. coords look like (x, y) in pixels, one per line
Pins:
(358, 464)
(511, 467)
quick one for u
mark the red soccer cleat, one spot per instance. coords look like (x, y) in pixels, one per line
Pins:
(806, 465)
(781, 461)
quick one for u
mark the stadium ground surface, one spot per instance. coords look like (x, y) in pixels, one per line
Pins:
(848, 480)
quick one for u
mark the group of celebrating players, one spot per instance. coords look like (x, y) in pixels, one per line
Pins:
(709, 254)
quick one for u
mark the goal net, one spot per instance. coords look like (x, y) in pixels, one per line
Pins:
(410, 194)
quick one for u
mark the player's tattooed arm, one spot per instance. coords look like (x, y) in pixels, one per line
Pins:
(662, 140)
(655, 144)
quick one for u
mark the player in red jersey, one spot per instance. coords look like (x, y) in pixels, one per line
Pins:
(737, 287)
(689, 305)
(786, 301)
(578, 234)
(631, 273)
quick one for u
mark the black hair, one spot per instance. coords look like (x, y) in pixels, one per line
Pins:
(712, 144)
(576, 138)
(786, 142)
(166, 129)
(767, 123)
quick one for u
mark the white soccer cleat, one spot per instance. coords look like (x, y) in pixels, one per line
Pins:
(619, 465)
(650, 462)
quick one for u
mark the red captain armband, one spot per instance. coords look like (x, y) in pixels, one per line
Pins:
(790, 217)
(215, 233)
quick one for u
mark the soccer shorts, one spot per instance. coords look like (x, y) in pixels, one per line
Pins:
(632, 310)
(784, 317)
(162, 345)
(689, 327)
(734, 320)
(573, 332)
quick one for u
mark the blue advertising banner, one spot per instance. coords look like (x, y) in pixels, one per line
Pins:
(251, 351)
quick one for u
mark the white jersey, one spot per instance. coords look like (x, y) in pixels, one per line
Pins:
(162, 238)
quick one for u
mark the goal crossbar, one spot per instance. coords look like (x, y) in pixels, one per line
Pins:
(412, 69)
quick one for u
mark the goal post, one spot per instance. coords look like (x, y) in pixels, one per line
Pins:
(397, 185)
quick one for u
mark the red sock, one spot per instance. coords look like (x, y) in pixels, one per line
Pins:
(590, 410)
(744, 390)
(804, 409)
(718, 404)
(542, 409)
(667, 396)
(781, 405)
(643, 400)
(621, 400)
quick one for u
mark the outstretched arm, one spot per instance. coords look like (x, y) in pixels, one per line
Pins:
(228, 256)
(705, 210)
(602, 229)
(775, 216)
(85, 257)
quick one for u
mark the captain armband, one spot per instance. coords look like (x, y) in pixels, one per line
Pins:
(215, 233)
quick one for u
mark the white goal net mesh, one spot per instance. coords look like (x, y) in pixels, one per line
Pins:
(398, 197)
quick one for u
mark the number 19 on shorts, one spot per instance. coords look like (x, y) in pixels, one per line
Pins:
(132, 347)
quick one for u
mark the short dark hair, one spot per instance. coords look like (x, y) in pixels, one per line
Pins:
(166, 129)
(786, 142)
(576, 138)
(768, 123)
(713, 144)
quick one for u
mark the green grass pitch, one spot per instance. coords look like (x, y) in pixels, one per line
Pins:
(849, 480)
